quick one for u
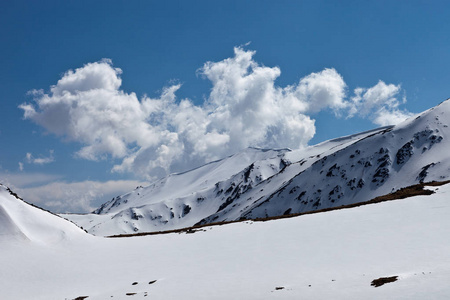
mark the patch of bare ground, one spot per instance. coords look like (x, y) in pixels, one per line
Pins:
(383, 280)
(406, 192)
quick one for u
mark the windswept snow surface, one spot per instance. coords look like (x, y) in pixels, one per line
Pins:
(333, 255)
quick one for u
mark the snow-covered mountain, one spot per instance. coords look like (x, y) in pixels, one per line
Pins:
(259, 183)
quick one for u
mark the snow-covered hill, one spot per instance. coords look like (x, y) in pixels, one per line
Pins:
(259, 183)
(332, 255)
(20, 221)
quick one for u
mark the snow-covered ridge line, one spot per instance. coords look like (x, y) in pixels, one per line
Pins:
(15, 195)
(219, 160)
(24, 222)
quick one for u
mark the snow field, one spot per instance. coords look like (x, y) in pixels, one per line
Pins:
(333, 255)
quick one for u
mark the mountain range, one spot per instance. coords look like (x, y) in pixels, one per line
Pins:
(260, 183)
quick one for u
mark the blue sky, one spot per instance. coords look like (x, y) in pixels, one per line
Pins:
(313, 70)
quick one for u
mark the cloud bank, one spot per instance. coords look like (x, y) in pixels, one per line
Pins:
(154, 136)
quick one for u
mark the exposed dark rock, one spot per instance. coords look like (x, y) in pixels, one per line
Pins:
(332, 171)
(247, 172)
(301, 195)
(423, 174)
(186, 209)
(225, 204)
(360, 183)
(230, 189)
(288, 211)
(404, 153)
(136, 216)
(293, 190)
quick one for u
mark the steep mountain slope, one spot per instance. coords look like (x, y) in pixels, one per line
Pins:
(178, 200)
(260, 183)
(333, 255)
(182, 200)
(21, 222)
(383, 162)
(409, 153)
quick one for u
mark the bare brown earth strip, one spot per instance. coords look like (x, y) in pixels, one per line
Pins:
(406, 192)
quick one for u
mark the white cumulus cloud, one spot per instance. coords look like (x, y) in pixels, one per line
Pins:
(380, 103)
(154, 136)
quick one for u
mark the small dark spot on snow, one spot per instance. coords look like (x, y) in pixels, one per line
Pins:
(279, 288)
(383, 280)
(134, 283)
(152, 282)
(81, 298)
(383, 150)
(130, 294)
(186, 209)
(301, 195)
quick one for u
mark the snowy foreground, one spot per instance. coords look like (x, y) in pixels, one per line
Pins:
(332, 255)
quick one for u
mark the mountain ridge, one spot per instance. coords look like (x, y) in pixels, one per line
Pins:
(403, 193)
(258, 183)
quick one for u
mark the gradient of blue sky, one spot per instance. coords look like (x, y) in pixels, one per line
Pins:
(156, 43)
